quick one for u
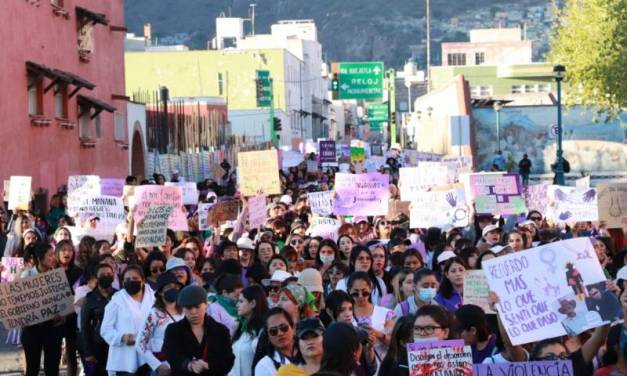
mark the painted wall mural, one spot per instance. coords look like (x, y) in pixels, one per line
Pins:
(588, 146)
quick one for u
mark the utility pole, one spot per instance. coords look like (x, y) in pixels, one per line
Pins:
(273, 135)
(428, 19)
(391, 76)
(252, 18)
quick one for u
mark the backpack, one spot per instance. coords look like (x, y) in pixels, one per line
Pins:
(405, 308)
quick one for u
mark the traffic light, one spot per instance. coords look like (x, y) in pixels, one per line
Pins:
(335, 86)
(259, 87)
(393, 118)
(277, 124)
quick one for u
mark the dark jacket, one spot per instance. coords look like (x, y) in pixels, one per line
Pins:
(180, 347)
(91, 319)
(524, 166)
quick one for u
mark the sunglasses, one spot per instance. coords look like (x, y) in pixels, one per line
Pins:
(364, 294)
(535, 218)
(296, 241)
(274, 331)
(157, 270)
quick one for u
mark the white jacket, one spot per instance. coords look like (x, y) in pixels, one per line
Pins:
(151, 335)
(244, 350)
(123, 315)
(266, 366)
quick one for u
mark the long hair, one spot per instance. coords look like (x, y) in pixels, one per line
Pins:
(334, 302)
(397, 284)
(353, 258)
(257, 294)
(446, 287)
(264, 346)
(331, 244)
(359, 276)
(401, 336)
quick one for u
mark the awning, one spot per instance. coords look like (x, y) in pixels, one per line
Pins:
(94, 103)
(40, 71)
(57, 75)
(319, 116)
(96, 18)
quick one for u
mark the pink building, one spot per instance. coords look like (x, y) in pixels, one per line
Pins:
(62, 72)
(489, 47)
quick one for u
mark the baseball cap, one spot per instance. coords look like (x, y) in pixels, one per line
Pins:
(621, 274)
(245, 243)
(286, 199)
(357, 220)
(191, 295)
(311, 325)
(311, 279)
(445, 256)
(174, 262)
(489, 228)
(277, 276)
(165, 279)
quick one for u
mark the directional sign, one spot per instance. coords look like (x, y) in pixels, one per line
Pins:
(377, 113)
(361, 80)
(264, 89)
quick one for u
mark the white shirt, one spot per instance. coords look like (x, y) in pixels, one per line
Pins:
(266, 367)
(376, 299)
(151, 335)
(244, 350)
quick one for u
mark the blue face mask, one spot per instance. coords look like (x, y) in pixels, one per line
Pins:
(426, 294)
(327, 259)
(428, 339)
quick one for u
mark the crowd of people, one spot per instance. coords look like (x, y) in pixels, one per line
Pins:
(273, 300)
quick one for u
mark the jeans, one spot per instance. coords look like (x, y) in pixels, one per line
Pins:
(525, 179)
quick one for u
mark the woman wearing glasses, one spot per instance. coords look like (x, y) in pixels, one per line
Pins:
(154, 266)
(432, 323)
(276, 346)
(361, 260)
(297, 242)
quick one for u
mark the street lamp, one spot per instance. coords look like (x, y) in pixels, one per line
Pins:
(559, 71)
(497, 108)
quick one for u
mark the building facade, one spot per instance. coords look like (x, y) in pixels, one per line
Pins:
(65, 112)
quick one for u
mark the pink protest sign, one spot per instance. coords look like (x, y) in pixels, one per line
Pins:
(112, 187)
(12, 266)
(361, 194)
(536, 197)
(149, 195)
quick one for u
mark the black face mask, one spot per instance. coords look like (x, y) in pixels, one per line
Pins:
(170, 295)
(132, 287)
(105, 281)
(208, 277)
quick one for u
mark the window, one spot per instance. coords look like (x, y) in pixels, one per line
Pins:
(481, 91)
(456, 59)
(35, 94)
(220, 85)
(60, 101)
(85, 37)
(97, 129)
(529, 88)
(83, 122)
(479, 58)
(120, 130)
(544, 88)
(517, 89)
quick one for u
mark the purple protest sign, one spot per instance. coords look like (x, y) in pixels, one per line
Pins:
(361, 194)
(327, 151)
(536, 197)
(554, 367)
(112, 187)
(415, 346)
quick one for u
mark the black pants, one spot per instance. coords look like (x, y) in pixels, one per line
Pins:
(71, 345)
(43, 337)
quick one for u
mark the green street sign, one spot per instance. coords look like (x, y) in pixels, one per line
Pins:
(361, 80)
(377, 113)
(264, 88)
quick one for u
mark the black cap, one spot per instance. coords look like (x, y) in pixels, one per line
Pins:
(165, 279)
(341, 336)
(308, 326)
(397, 241)
(191, 295)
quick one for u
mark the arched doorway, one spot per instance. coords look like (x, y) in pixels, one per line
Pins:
(137, 157)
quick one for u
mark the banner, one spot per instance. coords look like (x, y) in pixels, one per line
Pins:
(476, 290)
(613, 204)
(109, 209)
(553, 290)
(536, 197)
(321, 203)
(112, 187)
(149, 195)
(223, 211)
(78, 188)
(552, 368)
(257, 213)
(327, 153)
(12, 265)
(439, 358)
(444, 209)
(363, 194)
(324, 227)
(33, 300)
(358, 154)
(19, 192)
(497, 194)
(572, 204)
(189, 191)
(421, 178)
(259, 170)
(151, 230)
(203, 214)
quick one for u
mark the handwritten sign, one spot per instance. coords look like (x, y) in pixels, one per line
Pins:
(361, 194)
(12, 265)
(112, 187)
(327, 152)
(257, 214)
(33, 300)
(374, 163)
(223, 211)
(189, 191)
(19, 192)
(497, 194)
(80, 187)
(572, 204)
(439, 358)
(358, 154)
(543, 290)
(312, 166)
(149, 195)
(444, 209)
(152, 229)
(203, 214)
(553, 368)
(324, 227)
(109, 209)
(321, 203)
(476, 290)
(259, 170)
(420, 179)
(536, 197)
(613, 204)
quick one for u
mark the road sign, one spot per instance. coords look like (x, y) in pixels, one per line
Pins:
(264, 89)
(361, 80)
(377, 112)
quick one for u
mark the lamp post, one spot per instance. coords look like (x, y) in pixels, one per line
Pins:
(559, 71)
(497, 108)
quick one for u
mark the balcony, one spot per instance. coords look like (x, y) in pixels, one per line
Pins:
(65, 123)
(88, 142)
(39, 121)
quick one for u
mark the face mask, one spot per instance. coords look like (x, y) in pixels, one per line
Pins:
(132, 287)
(428, 339)
(105, 281)
(327, 259)
(426, 294)
(170, 295)
(208, 277)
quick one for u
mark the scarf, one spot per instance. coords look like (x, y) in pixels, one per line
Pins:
(228, 304)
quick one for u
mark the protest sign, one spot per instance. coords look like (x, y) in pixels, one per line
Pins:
(19, 192)
(321, 203)
(376, 149)
(545, 292)
(151, 230)
(109, 209)
(223, 211)
(553, 368)
(358, 154)
(112, 187)
(362, 194)
(374, 163)
(189, 191)
(344, 167)
(613, 204)
(203, 213)
(291, 159)
(327, 152)
(476, 290)
(312, 166)
(396, 208)
(324, 227)
(217, 172)
(33, 300)
(12, 265)
(444, 209)
(149, 195)
(536, 197)
(572, 204)
(257, 214)
(439, 358)
(259, 170)
(421, 178)
(80, 187)
(497, 194)
(583, 182)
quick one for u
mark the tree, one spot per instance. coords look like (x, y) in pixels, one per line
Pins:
(590, 40)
